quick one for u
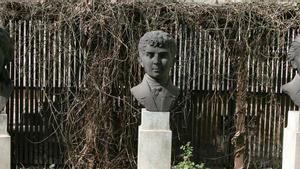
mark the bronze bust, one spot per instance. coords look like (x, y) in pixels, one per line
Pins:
(156, 92)
(6, 54)
(293, 87)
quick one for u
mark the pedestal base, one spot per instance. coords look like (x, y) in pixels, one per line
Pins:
(4, 152)
(154, 149)
(155, 141)
(291, 142)
(4, 143)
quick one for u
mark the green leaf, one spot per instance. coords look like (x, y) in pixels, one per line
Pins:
(186, 156)
(52, 166)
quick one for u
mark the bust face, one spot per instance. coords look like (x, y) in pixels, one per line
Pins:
(157, 62)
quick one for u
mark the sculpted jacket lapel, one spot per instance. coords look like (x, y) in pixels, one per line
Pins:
(165, 102)
(148, 100)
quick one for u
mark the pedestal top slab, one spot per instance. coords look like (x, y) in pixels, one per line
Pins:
(155, 120)
(294, 120)
(3, 124)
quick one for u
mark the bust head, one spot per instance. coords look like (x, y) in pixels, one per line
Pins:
(157, 51)
(292, 88)
(294, 54)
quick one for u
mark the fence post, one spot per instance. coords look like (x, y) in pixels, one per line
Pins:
(239, 138)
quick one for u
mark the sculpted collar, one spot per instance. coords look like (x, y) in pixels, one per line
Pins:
(153, 84)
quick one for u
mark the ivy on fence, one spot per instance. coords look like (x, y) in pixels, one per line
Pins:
(93, 114)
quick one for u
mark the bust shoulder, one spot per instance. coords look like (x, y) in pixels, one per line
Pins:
(292, 87)
(174, 90)
(138, 90)
(286, 88)
(5, 91)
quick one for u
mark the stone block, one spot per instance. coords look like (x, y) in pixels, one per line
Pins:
(291, 142)
(5, 143)
(5, 152)
(155, 141)
(155, 120)
(3, 124)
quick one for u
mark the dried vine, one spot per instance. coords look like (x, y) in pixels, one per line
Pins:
(99, 121)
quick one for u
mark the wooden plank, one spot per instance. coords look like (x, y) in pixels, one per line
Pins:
(11, 69)
(219, 75)
(199, 60)
(209, 51)
(188, 63)
(22, 71)
(31, 92)
(34, 92)
(213, 65)
(45, 34)
(40, 84)
(194, 59)
(204, 63)
(184, 60)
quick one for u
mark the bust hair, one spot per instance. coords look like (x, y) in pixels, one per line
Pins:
(6, 46)
(294, 46)
(159, 39)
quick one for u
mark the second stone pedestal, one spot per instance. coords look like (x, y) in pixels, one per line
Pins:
(154, 141)
(291, 142)
(4, 143)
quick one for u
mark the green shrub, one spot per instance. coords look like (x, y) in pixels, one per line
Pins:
(187, 155)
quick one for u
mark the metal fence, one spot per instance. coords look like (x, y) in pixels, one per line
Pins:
(43, 67)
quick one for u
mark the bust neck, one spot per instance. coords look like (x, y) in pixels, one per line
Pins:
(155, 82)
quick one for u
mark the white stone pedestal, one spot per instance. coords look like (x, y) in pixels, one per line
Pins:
(155, 141)
(291, 142)
(4, 143)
